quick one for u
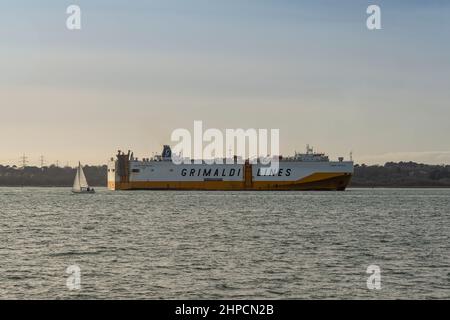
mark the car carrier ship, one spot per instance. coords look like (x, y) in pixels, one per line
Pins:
(303, 171)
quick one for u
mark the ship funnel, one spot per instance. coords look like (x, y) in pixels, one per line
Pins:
(167, 152)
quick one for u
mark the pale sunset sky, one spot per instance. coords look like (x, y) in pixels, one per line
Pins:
(139, 69)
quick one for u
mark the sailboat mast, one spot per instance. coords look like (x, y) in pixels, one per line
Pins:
(79, 174)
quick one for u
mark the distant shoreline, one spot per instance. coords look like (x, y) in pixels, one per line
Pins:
(391, 175)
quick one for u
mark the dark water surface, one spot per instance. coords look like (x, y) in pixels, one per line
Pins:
(167, 244)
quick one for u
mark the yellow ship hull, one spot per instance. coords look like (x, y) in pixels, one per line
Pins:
(316, 181)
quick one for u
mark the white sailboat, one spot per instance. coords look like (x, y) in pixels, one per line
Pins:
(80, 184)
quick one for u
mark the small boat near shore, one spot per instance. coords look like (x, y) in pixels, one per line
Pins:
(80, 184)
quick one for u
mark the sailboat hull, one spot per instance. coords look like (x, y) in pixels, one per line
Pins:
(83, 191)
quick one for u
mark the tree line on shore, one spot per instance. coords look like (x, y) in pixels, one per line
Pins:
(391, 174)
(51, 176)
(401, 174)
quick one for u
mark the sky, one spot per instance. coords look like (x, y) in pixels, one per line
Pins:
(138, 70)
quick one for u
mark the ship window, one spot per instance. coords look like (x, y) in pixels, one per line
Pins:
(135, 170)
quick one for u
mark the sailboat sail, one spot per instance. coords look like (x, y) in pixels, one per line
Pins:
(76, 182)
(80, 181)
(83, 181)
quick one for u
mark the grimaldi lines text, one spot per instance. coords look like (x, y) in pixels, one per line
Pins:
(303, 171)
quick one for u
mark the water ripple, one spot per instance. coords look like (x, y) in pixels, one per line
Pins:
(219, 245)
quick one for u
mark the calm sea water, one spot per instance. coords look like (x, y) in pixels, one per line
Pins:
(279, 245)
